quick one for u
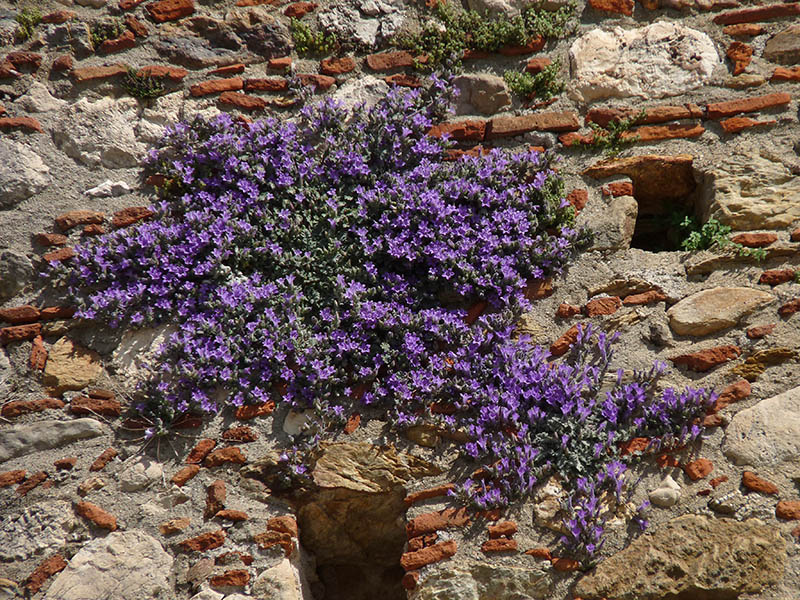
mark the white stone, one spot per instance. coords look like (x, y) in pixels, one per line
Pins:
(125, 565)
(137, 349)
(481, 92)
(100, 132)
(6, 373)
(21, 440)
(164, 110)
(667, 494)
(140, 474)
(497, 8)
(715, 309)
(208, 595)
(367, 89)
(22, 173)
(108, 188)
(281, 582)
(38, 529)
(347, 23)
(295, 421)
(767, 434)
(38, 100)
(656, 61)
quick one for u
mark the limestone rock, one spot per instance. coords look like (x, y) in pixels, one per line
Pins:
(481, 92)
(163, 111)
(22, 173)
(676, 561)
(281, 582)
(365, 22)
(659, 60)
(784, 47)
(125, 565)
(71, 367)
(752, 189)
(667, 494)
(484, 581)
(140, 474)
(712, 310)
(368, 89)
(100, 133)
(137, 348)
(367, 468)
(496, 8)
(16, 270)
(108, 188)
(614, 226)
(20, 440)
(38, 529)
(38, 100)
(766, 434)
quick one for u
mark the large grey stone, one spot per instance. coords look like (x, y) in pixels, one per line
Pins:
(692, 556)
(716, 309)
(613, 227)
(24, 439)
(22, 173)
(125, 565)
(481, 92)
(16, 271)
(100, 132)
(39, 529)
(38, 99)
(367, 89)
(281, 582)
(659, 60)
(784, 46)
(365, 22)
(750, 189)
(485, 581)
(767, 434)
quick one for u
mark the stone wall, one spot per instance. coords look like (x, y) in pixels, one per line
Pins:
(91, 510)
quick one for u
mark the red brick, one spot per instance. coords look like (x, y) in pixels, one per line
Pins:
(242, 101)
(618, 188)
(717, 481)
(266, 85)
(169, 10)
(57, 312)
(65, 464)
(59, 255)
(776, 276)
(63, 63)
(410, 580)
(541, 553)
(225, 456)
(411, 561)
(20, 315)
(337, 66)
(229, 70)
(320, 82)
(284, 524)
(232, 578)
(102, 460)
(12, 477)
(30, 483)
(714, 420)
(268, 539)
(422, 541)
(578, 199)
(232, 515)
(93, 230)
(649, 297)
(50, 239)
(576, 139)
(18, 333)
(787, 310)
(602, 306)
(85, 74)
(279, 64)
(666, 460)
(698, 469)
(214, 86)
(565, 564)
(475, 54)
(38, 357)
(760, 13)
(755, 240)
(707, 359)
(434, 492)
(74, 218)
(788, 510)
(185, 474)
(536, 65)
(670, 131)
(656, 114)
(537, 289)
(403, 80)
(434, 521)
(175, 74)
(46, 569)
(240, 434)
(95, 406)
(562, 344)
(229, 558)
(298, 10)
(96, 515)
(732, 393)
(24, 123)
(174, 526)
(786, 74)
(129, 216)
(795, 235)
(738, 124)
(215, 498)
(124, 42)
(251, 411)
(566, 311)
(353, 421)
(473, 130)
(740, 55)
(754, 483)
(502, 529)
(387, 61)
(200, 451)
(760, 331)
(542, 121)
(204, 542)
(743, 30)
(499, 545)
(24, 407)
(634, 445)
(58, 17)
(730, 108)
(623, 7)
(532, 46)
(129, 4)
(136, 26)
(24, 60)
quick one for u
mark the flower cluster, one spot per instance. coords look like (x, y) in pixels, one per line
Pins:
(330, 262)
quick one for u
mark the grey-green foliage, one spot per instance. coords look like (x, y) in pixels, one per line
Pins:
(142, 86)
(611, 138)
(106, 30)
(310, 41)
(543, 85)
(27, 19)
(714, 234)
